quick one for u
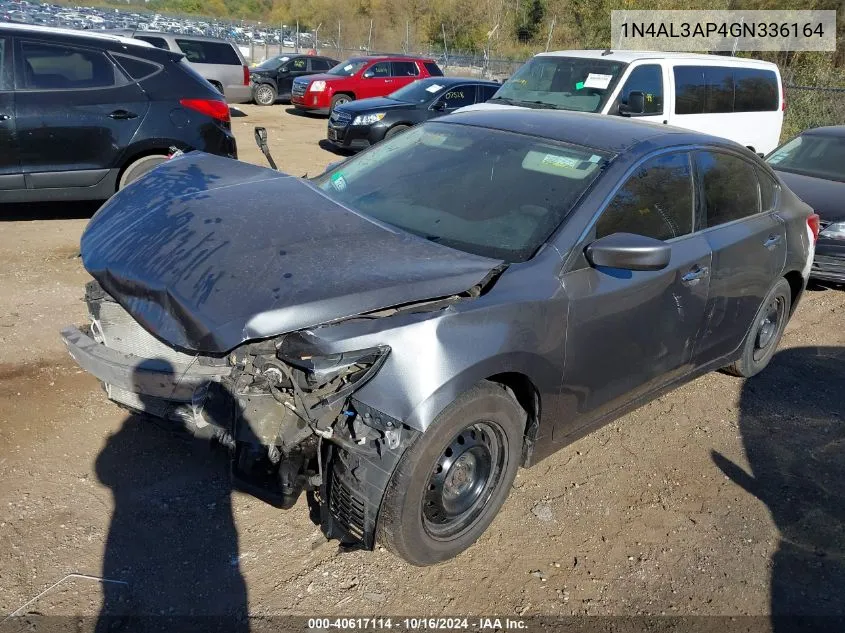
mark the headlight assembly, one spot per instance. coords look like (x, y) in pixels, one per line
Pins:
(317, 86)
(835, 231)
(368, 119)
(352, 368)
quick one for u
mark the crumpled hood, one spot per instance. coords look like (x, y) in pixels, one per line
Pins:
(207, 252)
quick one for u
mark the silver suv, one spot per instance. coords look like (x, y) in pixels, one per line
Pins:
(219, 61)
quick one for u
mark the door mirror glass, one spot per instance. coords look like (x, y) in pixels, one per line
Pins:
(368, 74)
(635, 105)
(629, 252)
(439, 106)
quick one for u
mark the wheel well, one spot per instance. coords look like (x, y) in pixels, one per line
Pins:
(796, 285)
(351, 95)
(528, 397)
(155, 151)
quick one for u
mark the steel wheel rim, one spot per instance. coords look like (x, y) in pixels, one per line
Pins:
(264, 94)
(463, 479)
(768, 326)
(341, 101)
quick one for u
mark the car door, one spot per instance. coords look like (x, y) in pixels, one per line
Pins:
(289, 71)
(629, 332)
(404, 72)
(376, 81)
(648, 80)
(748, 244)
(455, 97)
(10, 166)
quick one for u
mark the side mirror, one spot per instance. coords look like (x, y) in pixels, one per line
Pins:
(629, 252)
(439, 106)
(368, 74)
(635, 105)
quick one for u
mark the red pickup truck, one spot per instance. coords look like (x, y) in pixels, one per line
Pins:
(359, 78)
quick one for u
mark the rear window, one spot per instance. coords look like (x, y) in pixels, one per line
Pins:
(199, 52)
(158, 42)
(720, 89)
(433, 69)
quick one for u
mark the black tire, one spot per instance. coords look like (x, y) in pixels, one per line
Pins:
(765, 332)
(138, 168)
(264, 95)
(339, 100)
(396, 129)
(450, 484)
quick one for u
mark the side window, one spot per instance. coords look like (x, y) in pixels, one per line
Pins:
(5, 67)
(379, 70)
(136, 68)
(689, 89)
(719, 89)
(458, 97)
(405, 69)
(768, 191)
(319, 65)
(756, 90)
(729, 186)
(202, 52)
(56, 67)
(486, 92)
(433, 69)
(158, 42)
(647, 79)
(657, 201)
(299, 64)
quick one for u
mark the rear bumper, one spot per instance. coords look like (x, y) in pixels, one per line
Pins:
(828, 268)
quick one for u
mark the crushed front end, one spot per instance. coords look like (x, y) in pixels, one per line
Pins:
(283, 409)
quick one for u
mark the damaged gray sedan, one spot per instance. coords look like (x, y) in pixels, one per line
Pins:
(398, 335)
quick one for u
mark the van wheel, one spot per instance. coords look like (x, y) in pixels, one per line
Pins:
(451, 482)
(396, 129)
(138, 168)
(264, 95)
(339, 100)
(765, 333)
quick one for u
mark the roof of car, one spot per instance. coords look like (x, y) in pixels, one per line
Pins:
(182, 36)
(451, 81)
(612, 134)
(829, 130)
(386, 57)
(630, 56)
(50, 30)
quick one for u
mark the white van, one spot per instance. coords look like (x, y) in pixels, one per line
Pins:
(735, 98)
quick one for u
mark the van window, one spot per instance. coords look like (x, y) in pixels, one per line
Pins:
(720, 89)
(200, 52)
(730, 188)
(58, 67)
(655, 202)
(647, 79)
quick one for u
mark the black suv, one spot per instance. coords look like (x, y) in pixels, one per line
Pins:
(83, 115)
(273, 78)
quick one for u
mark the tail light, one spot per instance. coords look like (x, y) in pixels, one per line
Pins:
(783, 96)
(214, 108)
(246, 75)
(813, 223)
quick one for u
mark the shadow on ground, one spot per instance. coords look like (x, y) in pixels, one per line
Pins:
(792, 422)
(16, 212)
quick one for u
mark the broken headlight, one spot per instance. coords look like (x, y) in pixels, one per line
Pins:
(350, 367)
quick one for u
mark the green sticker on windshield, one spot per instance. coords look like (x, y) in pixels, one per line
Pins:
(338, 181)
(579, 85)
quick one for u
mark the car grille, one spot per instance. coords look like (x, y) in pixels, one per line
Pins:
(340, 119)
(346, 507)
(299, 88)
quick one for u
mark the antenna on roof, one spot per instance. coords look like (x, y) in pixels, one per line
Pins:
(606, 51)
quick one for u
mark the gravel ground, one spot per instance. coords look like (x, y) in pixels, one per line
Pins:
(725, 497)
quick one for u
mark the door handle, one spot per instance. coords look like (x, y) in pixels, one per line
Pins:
(121, 115)
(773, 241)
(696, 274)
(4, 117)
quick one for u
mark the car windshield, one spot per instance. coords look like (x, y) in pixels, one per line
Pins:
(421, 91)
(348, 68)
(272, 64)
(812, 155)
(564, 83)
(488, 192)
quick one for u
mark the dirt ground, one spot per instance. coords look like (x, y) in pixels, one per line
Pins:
(724, 497)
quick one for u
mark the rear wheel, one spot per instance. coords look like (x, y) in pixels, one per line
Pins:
(264, 94)
(138, 168)
(765, 333)
(451, 482)
(340, 100)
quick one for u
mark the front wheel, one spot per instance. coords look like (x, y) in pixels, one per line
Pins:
(451, 482)
(339, 100)
(765, 332)
(396, 129)
(264, 95)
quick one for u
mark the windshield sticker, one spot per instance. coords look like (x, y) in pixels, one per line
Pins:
(579, 85)
(601, 82)
(338, 181)
(347, 67)
(434, 88)
(554, 160)
(595, 158)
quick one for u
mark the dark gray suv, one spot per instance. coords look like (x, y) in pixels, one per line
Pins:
(401, 333)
